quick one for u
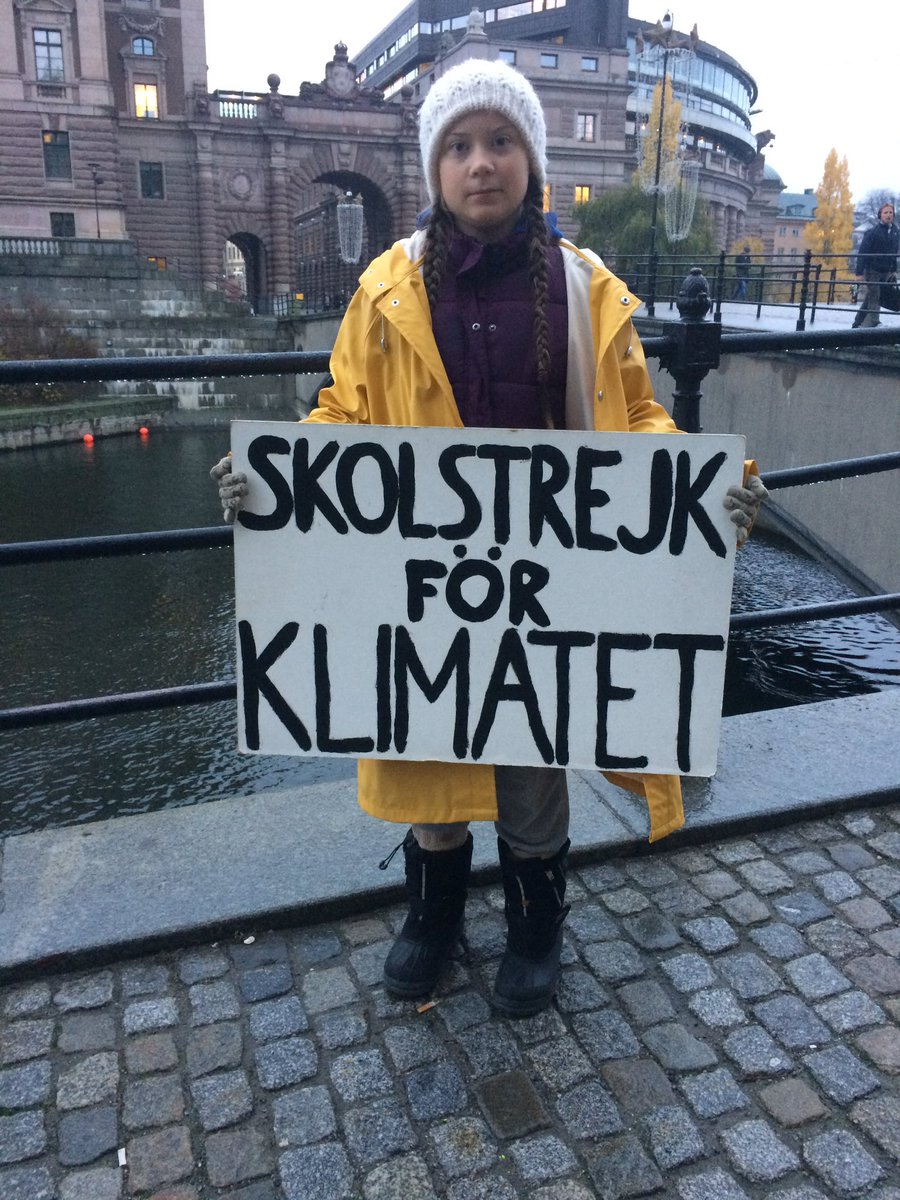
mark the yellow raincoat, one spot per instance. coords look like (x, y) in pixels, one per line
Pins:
(387, 371)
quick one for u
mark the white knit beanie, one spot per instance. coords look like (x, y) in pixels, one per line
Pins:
(477, 85)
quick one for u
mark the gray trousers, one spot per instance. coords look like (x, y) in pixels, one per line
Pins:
(870, 310)
(532, 814)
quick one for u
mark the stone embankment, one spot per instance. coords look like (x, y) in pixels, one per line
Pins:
(131, 311)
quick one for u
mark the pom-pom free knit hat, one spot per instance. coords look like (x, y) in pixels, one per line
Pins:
(477, 85)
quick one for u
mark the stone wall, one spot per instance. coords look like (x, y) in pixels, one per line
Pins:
(801, 408)
(127, 310)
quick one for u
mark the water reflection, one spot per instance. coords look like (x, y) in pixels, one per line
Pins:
(103, 626)
(800, 664)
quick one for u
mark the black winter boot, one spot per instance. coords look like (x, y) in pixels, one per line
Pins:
(436, 883)
(534, 889)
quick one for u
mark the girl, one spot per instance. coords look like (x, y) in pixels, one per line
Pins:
(486, 317)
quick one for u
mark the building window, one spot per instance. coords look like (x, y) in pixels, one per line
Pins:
(584, 127)
(782, 230)
(507, 56)
(152, 183)
(57, 160)
(589, 62)
(143, 47)
(48, 56)
(161, 264)
(582, 193)
(146, 102)
(547, 197)
(551, 61)
(62, 225)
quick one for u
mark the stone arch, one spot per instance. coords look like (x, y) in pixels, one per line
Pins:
(253, 251)
(321, 277)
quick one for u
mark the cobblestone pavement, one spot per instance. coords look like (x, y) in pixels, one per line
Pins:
(726, 1027)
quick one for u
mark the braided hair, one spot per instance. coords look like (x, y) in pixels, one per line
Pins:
(437, 244)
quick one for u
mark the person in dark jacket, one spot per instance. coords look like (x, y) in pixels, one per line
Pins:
(876, 263)
(742, 274)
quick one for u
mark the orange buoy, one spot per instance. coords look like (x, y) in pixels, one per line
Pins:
(88, 439)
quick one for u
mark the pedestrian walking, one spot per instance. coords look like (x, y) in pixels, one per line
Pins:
(742, 273)
(876, 264)
(486, 316)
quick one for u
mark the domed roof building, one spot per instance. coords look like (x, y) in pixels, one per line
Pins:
(589, 62)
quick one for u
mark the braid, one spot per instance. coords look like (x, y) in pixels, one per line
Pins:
(539, 270)
(437, 243)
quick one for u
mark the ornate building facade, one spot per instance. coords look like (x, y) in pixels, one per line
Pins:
(108, 132)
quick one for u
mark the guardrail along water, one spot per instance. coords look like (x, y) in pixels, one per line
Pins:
(126, 624)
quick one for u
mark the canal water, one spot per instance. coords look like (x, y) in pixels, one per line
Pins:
(71, 630)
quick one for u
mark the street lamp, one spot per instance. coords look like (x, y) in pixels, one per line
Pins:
(97, 179)
(661, 36)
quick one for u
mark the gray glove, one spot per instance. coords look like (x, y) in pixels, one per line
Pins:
(232, 487)
(743, 505)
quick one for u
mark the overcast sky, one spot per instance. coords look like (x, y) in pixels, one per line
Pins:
(816, 87)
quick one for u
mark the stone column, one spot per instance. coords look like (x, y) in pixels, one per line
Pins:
(411, 195)
(212, 265)
(280, 273)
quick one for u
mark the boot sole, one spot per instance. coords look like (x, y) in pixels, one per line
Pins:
(516, 1009)
(415, 989)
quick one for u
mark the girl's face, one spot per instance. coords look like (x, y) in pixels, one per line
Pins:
(483, 174)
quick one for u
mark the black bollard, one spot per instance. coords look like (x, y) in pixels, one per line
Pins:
(695, 350)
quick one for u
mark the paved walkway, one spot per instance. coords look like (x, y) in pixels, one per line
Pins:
(779, 318)
(726, 1027)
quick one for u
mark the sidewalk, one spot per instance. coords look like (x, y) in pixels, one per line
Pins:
(775, 318)
(726, 1024)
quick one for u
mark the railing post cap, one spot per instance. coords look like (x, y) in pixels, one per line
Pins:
(693, 301)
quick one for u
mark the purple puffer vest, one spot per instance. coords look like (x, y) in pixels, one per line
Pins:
(483, 324)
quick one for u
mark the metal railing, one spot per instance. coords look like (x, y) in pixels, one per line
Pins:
(687, 357)
(805, 281)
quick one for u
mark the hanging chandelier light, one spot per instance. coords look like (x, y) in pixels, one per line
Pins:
(681, 199)
(350, 227)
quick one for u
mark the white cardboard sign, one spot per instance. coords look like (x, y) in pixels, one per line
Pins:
(491, 596)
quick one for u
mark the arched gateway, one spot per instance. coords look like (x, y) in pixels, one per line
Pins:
(271, 170)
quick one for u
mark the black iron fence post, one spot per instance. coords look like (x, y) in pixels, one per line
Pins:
(695, 352)
(804, 291)
(720, 289)
(651, 285)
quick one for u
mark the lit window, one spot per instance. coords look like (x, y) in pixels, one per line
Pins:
(152, 183)
(143, 46)
(582, 193)
(507, 56)
(161, 264)
(146, 102)
(551, 61)
(48, 56)
(588, 63)
(547, 197)
(584, 127)
(62, 224)
(57, 160)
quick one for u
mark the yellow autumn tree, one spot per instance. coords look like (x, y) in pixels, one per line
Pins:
(831, 230)
(668, 146)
